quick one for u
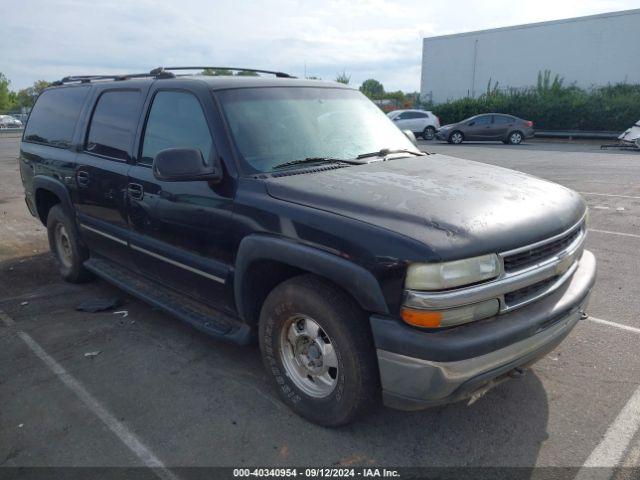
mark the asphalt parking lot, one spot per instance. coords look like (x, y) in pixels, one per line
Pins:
(188, 400)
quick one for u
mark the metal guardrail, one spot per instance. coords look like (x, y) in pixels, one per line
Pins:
(578, 134)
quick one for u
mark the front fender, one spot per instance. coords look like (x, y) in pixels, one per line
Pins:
(353, 278)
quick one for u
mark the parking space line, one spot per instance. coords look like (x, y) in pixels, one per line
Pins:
(611, 449)
(614, 324)
(148, 458)
(632, 235)
(609, 195)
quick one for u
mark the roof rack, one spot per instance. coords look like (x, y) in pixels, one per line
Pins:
(160, 72)
(119, 77)
(235, 69)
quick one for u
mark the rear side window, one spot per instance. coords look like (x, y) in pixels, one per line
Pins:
(113, 124)
(176, 120)
(501, 120)
(410, 115)
(484, 120)
(54, 116)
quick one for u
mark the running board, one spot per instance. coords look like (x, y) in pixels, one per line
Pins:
(202, 317)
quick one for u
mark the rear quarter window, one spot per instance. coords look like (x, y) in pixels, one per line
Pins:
(54, 116)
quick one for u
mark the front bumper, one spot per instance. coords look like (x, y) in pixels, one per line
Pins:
(442, 135)
(419, 369)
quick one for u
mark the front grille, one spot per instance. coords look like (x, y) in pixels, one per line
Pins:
(532, 256)
(518, 296)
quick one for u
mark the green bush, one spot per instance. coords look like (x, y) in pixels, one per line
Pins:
(553, 106)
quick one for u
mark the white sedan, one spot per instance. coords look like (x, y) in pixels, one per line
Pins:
(421, 122)
(7, 121)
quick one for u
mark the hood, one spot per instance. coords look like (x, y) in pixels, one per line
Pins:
(447, 126)
(458, 208)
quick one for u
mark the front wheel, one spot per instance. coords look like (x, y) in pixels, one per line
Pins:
(456, 137)
(429, 133)
(317, 347)
(515, 138)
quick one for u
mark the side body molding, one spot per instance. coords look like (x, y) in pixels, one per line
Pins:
(353, 278)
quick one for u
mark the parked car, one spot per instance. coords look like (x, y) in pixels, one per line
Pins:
(631, 136)
(420, 122)
(488, 126)
(7, 121)
(294, 212)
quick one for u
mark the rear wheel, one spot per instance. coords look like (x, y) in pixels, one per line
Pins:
(429, 133)
(66, 247)
(515, 138)
(316, 345)
(456, 137)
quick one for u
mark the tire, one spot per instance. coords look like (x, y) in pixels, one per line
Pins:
(456, 137)
(66, 247)
(318, 318)
(429, 133)
(515, 138)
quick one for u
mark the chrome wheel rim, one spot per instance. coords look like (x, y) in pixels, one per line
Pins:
(516, 138)
(456, 138)
(63, 245)
(308, 356)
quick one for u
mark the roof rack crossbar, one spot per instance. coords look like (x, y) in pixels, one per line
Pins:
(235, 69)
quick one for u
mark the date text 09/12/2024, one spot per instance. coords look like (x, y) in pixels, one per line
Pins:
(316, 472)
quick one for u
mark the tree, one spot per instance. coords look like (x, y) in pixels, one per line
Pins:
(5, 95)
(343, 78)
(27, 96)
(372, 88)
(216, 72)
(246, 73)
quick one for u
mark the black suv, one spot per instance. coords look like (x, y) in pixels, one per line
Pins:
(295, 211)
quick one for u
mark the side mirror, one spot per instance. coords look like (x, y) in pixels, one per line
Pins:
(471, 124)
(409, 134)
(395, 119)
(184, 165)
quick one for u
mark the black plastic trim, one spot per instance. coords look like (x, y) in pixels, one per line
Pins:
(353, 278)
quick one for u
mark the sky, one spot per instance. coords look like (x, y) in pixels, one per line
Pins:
(49, 39)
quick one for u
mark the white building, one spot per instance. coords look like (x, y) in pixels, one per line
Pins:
(590, 51)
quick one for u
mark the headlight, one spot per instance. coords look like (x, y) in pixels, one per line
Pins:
(442, 276)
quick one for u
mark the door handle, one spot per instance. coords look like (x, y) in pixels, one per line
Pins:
(82, 178)
(135, 191)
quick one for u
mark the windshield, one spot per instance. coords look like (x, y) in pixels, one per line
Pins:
(271, 126)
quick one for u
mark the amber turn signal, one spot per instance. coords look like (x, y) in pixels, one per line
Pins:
(421, 318)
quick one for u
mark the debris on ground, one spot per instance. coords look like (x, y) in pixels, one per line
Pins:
(99, 304)
(123, 313)
(92, 354)
(24, 304)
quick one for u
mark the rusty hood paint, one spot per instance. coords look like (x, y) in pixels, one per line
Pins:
(458, 208)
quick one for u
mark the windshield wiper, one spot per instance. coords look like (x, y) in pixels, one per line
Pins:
(315, 160)
(387, 151)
